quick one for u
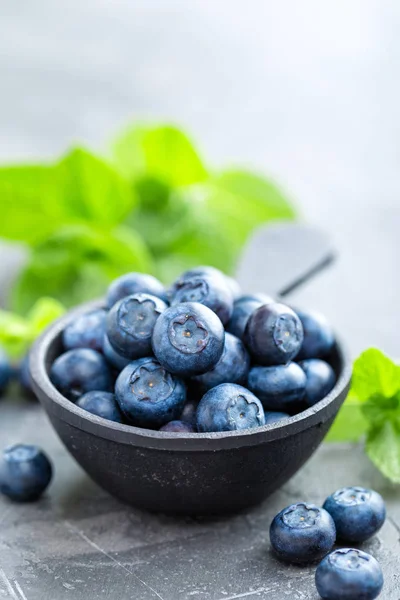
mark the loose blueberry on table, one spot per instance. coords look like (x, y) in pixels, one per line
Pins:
(358, 513)
(25, 472)
(201, 354)
(302, 533)
(349, 574)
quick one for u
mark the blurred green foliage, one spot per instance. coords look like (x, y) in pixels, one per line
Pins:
(151, 206)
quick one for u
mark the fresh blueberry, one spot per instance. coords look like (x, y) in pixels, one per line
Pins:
(208, 270)
(302, 533)
(5, 371)
(274, 417)
(210, 290)
(117, 361)
(86, 331)
(102, 404)
(25, 472)
(189, 411)
(349, 574)
(79, 371)
(243, 307)
(229, 407)
(178, 427)
(148, 395)
(130, 324)
(188, 339)
(134, 283)
(318, 335)
(358, 513)
(321, 379)
(232, 367)
(279, 388)
(273, 334)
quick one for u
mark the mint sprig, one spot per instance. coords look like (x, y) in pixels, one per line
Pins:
(373, 409)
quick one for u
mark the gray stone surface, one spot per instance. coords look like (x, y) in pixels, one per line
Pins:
(306, 91)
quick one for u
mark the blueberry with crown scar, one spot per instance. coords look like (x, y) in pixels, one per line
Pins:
(243, 308)
(134, 283)
(210, 290)
(130, 324)
(148, 395)
(302, 533)
(188, 339)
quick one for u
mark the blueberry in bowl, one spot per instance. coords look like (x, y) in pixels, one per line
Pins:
(172, 426)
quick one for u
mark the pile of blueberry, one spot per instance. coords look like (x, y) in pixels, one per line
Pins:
(305, 533)
(198, 357)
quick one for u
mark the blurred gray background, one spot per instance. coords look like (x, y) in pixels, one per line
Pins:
(307, 92)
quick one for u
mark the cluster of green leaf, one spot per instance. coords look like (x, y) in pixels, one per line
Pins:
(151, 206)
(373, 409)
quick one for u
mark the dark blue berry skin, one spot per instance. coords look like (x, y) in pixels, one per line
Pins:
(102, 404)
(117, 361)
(210, 290)
(130, 324)
(5, 371)
(188, 339)
(275, 417)
(273, 334)
(302, 533)
(321, 379)
(349, 574)
(189, 411)
(86, 331)
(318, 335)
(178, 427)
(243, 307)
(148, 395)
(229, 407)
(232, 367)
(279, 388)
(134, 283)
(79, 371)
(358, 513)
(25, 472)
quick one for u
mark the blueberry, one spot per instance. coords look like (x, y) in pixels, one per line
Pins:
(102, 404)
(25, 472)
(279, 388)
(210, 290)
(321, 379)
(5, 371)
(229, 407)
(86, 331)
(273, 334)
(178, 427)
(188, 414)
(148, 395)
(349, 574)
(302, 533)
(188, 339)
(274, 417)
(243, 307)
(233, 286)
(318, 335)
(232, 367)
(208, 270)
(117, 361)
(358, 513)
(130, 324)
(134, 283)
(79, 371)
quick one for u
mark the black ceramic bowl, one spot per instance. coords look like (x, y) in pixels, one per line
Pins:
(206, 473)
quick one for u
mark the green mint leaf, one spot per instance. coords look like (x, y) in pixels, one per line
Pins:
(163, 152)
(374, 374)
(45, 311)
(31, 208)
(379, 409)
(14, 333)
(77, 263)
(383, 448)
(350, 424)
(93, 191)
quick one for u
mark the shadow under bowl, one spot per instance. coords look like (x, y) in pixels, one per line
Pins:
(207, 473)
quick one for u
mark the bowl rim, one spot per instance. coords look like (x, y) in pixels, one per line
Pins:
(56, 405)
